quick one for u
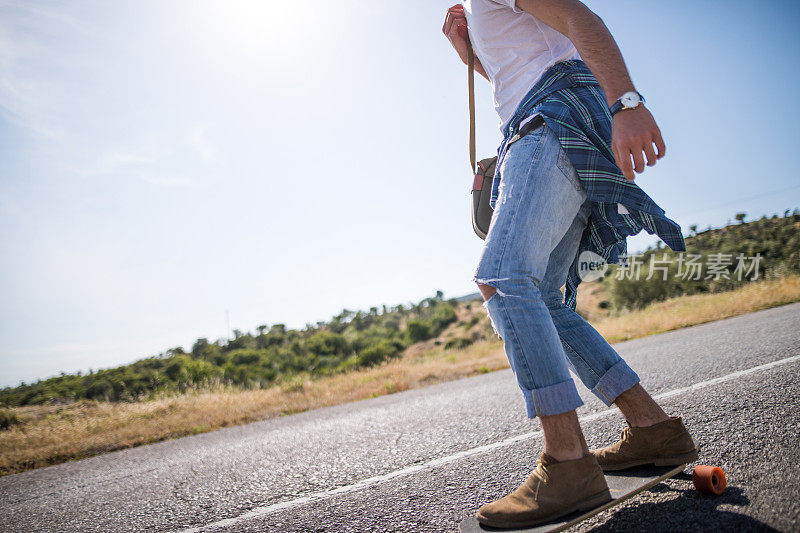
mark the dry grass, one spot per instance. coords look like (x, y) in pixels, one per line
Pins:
(53, 434)
(593, 302)
(686, 311)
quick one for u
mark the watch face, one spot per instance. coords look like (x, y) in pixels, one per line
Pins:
(630, 99)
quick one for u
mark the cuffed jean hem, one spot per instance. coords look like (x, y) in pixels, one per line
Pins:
(552, 400)
(614, 382)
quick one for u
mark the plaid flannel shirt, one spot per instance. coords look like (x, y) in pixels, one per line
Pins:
(573, 105)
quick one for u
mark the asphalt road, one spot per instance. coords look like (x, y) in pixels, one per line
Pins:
(423, 460)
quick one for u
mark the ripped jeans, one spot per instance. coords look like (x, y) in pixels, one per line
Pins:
(539, 219)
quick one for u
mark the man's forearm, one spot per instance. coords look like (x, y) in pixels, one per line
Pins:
(600, 52)
(591, 38)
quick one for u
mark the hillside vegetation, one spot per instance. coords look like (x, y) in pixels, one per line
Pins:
(715, 260)
(276, 355)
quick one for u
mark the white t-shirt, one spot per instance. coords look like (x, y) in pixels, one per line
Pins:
(514, 48)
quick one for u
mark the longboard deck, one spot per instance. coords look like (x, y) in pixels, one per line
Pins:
(623, 485)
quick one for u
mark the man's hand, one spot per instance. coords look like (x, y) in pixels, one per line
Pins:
(634, 131)
(455, 29)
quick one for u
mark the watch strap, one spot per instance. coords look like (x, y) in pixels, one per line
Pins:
(617, 106)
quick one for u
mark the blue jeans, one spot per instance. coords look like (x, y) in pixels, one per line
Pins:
(539, 219)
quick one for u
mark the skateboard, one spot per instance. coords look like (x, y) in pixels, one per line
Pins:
(623, 484)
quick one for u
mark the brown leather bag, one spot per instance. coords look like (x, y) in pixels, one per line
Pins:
(481, 194)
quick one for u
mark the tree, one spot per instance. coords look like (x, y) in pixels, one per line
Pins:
(344, 317)
(740, 217)
(199, 347)
(693, 228)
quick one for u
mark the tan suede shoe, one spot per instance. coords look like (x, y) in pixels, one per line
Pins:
(553, 490)
(667, 443)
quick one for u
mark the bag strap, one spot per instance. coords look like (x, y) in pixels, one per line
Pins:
(471, 98)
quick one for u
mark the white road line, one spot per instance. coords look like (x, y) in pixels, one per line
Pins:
(374, 480)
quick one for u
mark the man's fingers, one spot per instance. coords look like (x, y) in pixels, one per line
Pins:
(617, 158)
(457, 31)
(452, 14)
(448, 21)
(627, 166)
(457, 9)
(638, 159)
(662, 148)
(650, 153)
(623, 158)
(451, 19)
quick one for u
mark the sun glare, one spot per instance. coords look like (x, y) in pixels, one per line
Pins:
(258, 24)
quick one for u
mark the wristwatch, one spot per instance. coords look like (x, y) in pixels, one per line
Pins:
(629, 100)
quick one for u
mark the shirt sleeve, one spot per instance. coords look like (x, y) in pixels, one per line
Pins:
(508, 3)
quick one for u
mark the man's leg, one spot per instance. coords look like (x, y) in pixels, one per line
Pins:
(653, 437)
(536, 206)
(600, 367)
(639, 408)
(563, 438)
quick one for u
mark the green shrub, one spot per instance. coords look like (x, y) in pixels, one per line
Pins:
(245, 357)
(325, 343)
(418, 330)
(378, 353)
(7, 419)
(100, 390)
(458, 343)
(442, 317)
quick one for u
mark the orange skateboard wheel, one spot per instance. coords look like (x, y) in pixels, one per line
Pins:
(709, 479)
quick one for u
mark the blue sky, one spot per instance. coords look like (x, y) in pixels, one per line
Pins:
(165, 163)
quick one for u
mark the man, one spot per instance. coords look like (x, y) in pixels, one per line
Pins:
(564, 186)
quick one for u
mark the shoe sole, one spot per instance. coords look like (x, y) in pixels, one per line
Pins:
(672, 460)
(586, 505)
